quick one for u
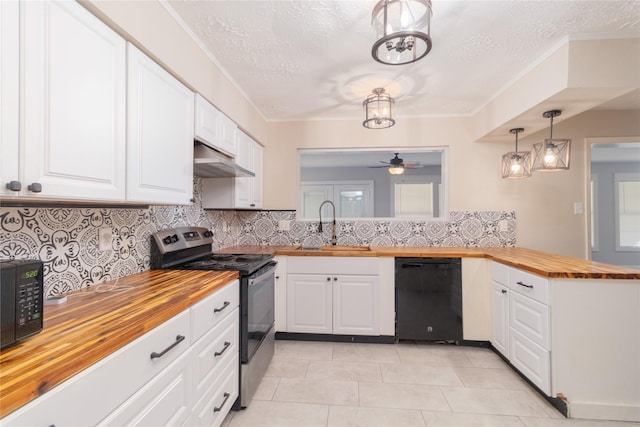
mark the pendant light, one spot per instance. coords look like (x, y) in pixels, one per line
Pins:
(516, 164)
(378, 110)
(551, 154)
(403, 28)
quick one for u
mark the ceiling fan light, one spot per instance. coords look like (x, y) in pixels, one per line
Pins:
(378, 109)
(403, 28)
(396, 170)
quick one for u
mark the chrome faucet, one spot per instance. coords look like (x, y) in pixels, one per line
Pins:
(334, 239)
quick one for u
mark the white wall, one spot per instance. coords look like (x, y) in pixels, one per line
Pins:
(543, 203)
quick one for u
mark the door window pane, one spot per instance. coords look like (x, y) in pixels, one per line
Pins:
(628, 211)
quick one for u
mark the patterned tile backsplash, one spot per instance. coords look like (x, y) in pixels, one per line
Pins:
(66, 239)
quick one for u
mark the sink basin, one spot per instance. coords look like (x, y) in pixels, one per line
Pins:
(335, 248)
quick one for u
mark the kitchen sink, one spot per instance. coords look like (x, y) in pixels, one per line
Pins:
(335, 248)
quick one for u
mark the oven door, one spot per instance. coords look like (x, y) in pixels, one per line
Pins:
(260, 312)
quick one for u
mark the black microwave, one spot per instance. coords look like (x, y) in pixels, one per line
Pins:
(21, 289)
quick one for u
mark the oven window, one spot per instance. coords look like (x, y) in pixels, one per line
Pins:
(260, 310)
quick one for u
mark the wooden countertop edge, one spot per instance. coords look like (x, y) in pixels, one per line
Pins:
(537, 262)
(89, 327)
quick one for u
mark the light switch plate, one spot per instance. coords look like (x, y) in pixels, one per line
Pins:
(578, 208)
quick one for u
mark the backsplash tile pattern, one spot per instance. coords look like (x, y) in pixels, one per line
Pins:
(66, 239)
(469, 229)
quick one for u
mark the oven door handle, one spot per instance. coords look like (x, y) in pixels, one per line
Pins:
(261, 277)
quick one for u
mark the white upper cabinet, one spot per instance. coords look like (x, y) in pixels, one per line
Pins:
(159, 134)
(9, 96)
(213, 128)
(74, 98)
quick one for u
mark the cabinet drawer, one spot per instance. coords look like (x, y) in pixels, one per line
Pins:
(218, 399)
(532, 360)
(530, 318)
(214, 351)
(500, 273)
(531, 285)
(166, 400)
(208, 312)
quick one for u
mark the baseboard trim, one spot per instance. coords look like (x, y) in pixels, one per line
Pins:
(294, 336)
(600, 411)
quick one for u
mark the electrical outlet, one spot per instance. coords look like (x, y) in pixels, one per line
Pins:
(284, 225)
(105, 239)
(578, 208)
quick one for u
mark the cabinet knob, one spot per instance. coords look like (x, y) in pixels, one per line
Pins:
(328, 279)
(504, 291)
(14, 185)
(36, 187)
(335, 279)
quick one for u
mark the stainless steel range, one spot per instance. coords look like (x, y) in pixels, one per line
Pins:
(190, 248)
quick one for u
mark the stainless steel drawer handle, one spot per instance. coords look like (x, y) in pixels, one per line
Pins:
(179, 339)
(219, 353)
(525, 285)
(219, 408)
(225, 305)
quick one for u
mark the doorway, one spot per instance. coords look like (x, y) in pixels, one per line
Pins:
(614, 190)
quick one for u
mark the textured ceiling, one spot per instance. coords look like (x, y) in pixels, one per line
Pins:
(301, 60)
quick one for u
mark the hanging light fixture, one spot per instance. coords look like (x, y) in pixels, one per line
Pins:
(551, 154)
(516, 164)
(378, 110)
(396, 165)
(403, 28)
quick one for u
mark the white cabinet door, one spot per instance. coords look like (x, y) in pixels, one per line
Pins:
(258, 158)
(281, 293)
(309, 303)
(74, 104)
(530, 318)
(9, 96)
(355, 305)
(159, 134)
(500, 318)
(228, 140)
(248, 190)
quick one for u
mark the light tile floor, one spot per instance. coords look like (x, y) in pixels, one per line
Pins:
(406, 384)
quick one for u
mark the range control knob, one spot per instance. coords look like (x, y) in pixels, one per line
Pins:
(167, 240)
(208, 233)
(174, 238)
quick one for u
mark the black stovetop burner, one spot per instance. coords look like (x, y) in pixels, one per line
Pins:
(244, 263)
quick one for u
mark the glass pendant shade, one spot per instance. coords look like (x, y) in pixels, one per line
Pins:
(516, 164)
(396, 170)
(378, 109)
(403, 28)
(551, 154)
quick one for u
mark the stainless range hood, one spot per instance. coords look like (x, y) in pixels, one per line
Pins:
(209, 163)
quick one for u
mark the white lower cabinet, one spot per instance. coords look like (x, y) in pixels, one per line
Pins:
(343, 301)
(158, 379)
(521, 322)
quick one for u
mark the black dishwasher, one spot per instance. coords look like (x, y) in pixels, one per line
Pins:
(429, 299)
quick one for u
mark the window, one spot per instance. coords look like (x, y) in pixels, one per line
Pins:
(627, 205)
(422, 195)
(353, 199)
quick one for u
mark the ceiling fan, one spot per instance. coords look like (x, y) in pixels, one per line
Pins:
(397, 165)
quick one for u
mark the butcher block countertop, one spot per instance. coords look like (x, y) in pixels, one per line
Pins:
(537, 262)
(91, 325)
